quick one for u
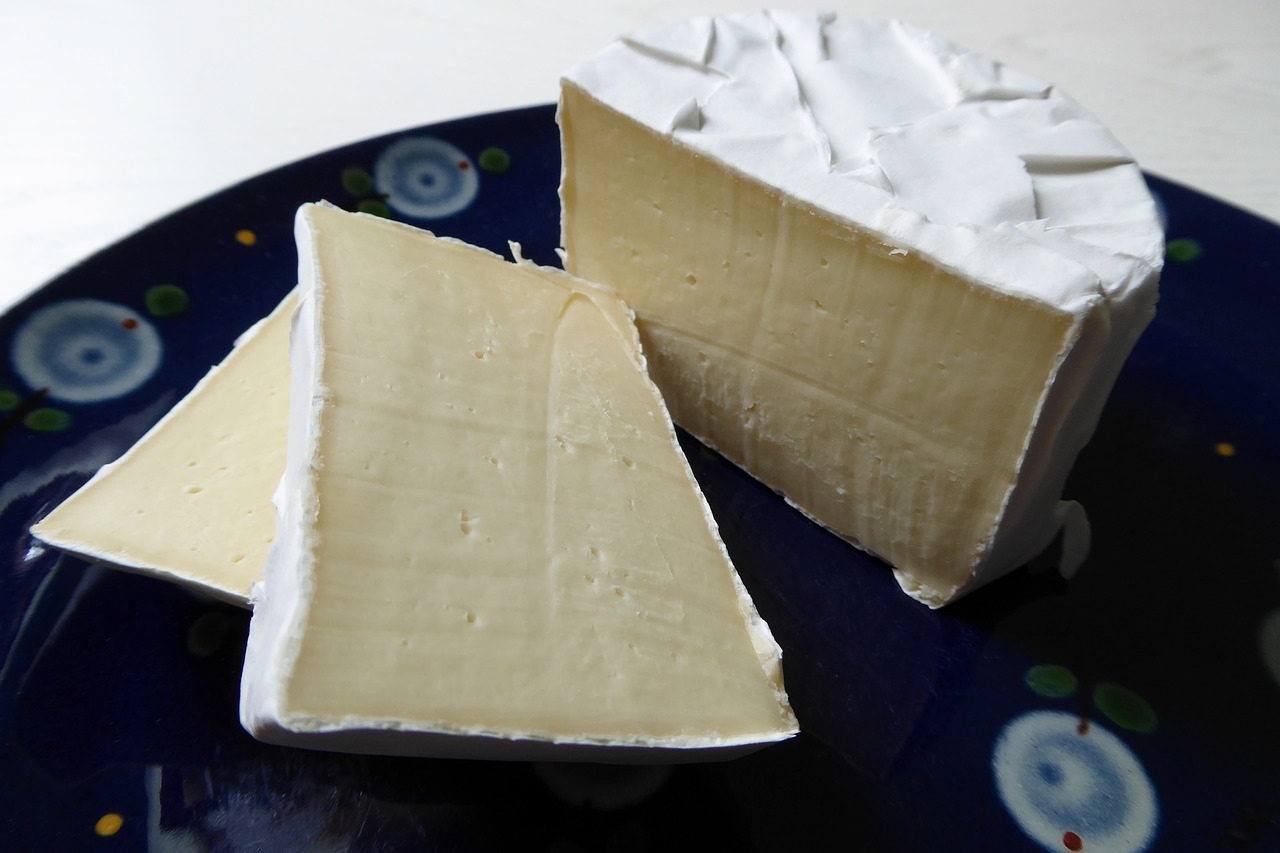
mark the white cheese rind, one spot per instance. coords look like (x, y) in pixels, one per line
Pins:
(536, 489)
(190, 502)
(712, 169)
(932, 147)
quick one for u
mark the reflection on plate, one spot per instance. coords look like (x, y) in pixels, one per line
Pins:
(1132, 708)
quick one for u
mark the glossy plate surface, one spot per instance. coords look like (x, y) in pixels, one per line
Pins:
(1136, 707)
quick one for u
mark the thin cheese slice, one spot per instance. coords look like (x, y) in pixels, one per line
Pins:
(489, 541)
(190, 502)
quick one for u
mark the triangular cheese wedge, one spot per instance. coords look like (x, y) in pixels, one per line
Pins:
(190, 502)
(489, 543)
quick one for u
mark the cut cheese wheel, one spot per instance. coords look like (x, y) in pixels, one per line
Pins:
(891, 278)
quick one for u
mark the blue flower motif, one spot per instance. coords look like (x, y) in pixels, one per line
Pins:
(1057, 780)
(86, 350)
(426, 178)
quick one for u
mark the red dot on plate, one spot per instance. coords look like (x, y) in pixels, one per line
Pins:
(1071, 841)
(464, 165)
(129, 323)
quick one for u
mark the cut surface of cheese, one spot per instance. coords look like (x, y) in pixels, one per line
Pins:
(190, 502)
(890, 278)
(489, 541)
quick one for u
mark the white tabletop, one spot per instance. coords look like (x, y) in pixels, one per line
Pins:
(119, 112)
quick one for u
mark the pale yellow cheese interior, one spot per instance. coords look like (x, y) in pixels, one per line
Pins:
(506, 538)
(888, 398)
(191, 501)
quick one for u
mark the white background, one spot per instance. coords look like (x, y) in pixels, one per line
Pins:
(115, 113)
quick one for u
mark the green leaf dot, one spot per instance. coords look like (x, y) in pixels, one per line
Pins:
(207, 633)
(167, 300)
(357, 181)
(1184, 250)
(1051, 680)
(495, 160)
(374, 206)
(9, 400)
(1125, 708)
(47, 420)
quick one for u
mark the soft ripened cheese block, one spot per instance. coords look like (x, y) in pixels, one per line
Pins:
(489, 543)
(190, 502)
(892, 279)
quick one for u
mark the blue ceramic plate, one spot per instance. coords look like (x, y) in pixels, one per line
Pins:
(1136, 707)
